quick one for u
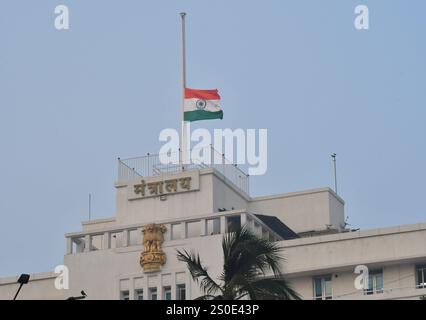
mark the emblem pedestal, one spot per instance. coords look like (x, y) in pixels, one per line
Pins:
(153, 257)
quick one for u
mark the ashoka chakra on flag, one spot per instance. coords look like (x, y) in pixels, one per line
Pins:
(201, 105)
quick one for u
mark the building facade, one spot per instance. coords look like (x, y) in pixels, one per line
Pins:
(129, 256)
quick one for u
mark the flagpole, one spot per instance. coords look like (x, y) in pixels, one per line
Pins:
(183, 127)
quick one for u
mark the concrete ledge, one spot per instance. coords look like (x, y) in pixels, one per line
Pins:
(33, 277)
(97, 221)
(299, 193)
(354, 235)
(167, 221)
(341, 267)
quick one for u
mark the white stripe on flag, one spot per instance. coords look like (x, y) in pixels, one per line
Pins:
(191, 105)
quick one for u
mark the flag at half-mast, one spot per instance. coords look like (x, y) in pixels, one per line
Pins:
(201, 105)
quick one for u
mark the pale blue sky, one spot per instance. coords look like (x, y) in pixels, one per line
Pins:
(73, 101)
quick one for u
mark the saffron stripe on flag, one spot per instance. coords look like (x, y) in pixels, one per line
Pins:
(202, 94)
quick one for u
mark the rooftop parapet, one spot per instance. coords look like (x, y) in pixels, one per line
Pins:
(154, 165)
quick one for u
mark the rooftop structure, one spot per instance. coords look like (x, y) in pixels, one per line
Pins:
(196, 204)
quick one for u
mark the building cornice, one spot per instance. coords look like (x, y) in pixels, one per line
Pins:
(354, 235)
(299, 193)
(33, 277)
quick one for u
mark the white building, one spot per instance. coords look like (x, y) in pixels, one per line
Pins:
(201, 203)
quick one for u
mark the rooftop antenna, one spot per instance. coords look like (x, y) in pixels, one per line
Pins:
(333, 156)
(184, 125)
(90, 206)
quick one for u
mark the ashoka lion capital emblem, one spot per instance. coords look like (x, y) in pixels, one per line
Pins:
(153, 257)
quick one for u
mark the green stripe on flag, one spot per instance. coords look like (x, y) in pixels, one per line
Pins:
(202, 115)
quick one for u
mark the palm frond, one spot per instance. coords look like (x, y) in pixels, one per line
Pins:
(248, 262)
(208, 297)
(245, 253)
(276, 288)
(198, 272)
(239, 287)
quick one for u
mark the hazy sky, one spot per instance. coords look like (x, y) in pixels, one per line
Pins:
(73, 101)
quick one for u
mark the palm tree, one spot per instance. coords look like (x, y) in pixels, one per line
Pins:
(251, 268)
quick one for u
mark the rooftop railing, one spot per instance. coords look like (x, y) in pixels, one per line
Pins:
(155, 165)
(117, 237)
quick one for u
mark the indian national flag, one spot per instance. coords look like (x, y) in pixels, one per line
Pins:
(201, 105)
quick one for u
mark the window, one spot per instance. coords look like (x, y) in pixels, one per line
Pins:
(139, 294)
(193, 229)
(322, 288)
(233, 223)
(421, 276)
(167, 293)
(176, 231)
(375, 282)
(78, 245)
(116, 240)
(153, 293)
(124, 295)
(180, 292)
(213, 226)
(135, 237)
(96, 242)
